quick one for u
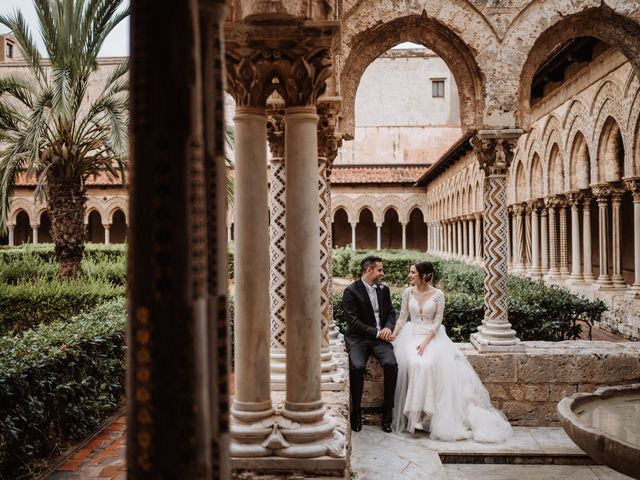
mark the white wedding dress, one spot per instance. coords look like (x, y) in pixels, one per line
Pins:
(439, 389)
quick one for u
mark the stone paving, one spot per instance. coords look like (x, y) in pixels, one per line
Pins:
(380, 456)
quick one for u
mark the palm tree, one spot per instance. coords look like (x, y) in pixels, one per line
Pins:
(50, 129)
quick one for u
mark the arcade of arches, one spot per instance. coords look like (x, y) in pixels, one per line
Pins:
(543, 180)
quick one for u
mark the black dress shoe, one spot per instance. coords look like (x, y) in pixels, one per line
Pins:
(356, 421)
(386, 421)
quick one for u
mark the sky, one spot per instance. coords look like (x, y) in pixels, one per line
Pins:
(115, 45)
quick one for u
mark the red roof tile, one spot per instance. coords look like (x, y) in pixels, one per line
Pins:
(377, 173)
(102, 179)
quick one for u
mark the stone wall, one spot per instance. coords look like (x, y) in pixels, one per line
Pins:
(528, 386)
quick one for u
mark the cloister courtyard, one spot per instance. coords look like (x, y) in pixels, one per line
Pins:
(178, 226)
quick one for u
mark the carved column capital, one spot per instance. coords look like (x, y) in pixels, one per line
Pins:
(494, 149)
(602, 192)
(551, 202)
(293, 59)
(536, 205)
(575, 198)
(328, 141)
(519, 208)
(633, 185)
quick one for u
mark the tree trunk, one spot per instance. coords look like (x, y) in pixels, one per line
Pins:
(67, 201)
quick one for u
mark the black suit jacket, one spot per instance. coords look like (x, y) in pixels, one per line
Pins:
(358, 312)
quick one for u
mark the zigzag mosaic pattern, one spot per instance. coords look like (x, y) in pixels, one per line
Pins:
(325, 259)
(277, 253)
(495, 250)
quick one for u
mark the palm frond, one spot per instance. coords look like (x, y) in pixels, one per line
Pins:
(18, 88)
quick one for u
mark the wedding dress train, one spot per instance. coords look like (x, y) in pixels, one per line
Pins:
(439, 388)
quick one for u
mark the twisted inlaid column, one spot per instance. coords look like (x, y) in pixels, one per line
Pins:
(575, 199)
(553, 272)
(602, 193)
(544, 239)
(616, 238)
(586, 239)
(173, 249)
(494, 151)
(277, 229)
(633, 184)
(564, 247)
(329, 367)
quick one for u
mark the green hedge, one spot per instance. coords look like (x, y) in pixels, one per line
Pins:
(94, 251)
(27, 305)
(58, 382)
(346, 263)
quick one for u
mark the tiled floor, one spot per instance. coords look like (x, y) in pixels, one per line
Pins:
(101, 458)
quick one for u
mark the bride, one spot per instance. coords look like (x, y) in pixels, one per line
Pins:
(437, 388)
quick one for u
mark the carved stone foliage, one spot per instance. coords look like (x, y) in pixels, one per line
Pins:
(328, 142)
(275, 132)
(294, 60)
(494, 150)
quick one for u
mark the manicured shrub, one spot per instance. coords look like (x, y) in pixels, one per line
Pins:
(58, 382)
(95, 251)
(27, 305)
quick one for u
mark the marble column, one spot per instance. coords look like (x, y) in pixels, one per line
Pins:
(472, 240)
(575, 198)
(544, 239)
(465, 237)
(511, 240)
(34, 230)
(633, 184)
(277, 249)
(616, 238)
(11, 228)
(353, 236)
(450, 238)
(535, 271)
(518, 240)
(526, 244)
(378, 236)
(553, 272)
(404, 236)
(494, 151)
(303, 402)
(459, 239)
(252, 401)
(564, 247)
(586, 239)
(478, 217)
(107, 237)
(602, 192)
(229, 236)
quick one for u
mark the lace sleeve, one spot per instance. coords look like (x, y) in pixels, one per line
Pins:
(404, 310)
(437, 319)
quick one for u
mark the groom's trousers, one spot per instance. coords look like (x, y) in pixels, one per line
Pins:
(359, 353)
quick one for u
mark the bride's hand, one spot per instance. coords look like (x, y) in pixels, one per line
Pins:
(420, 348)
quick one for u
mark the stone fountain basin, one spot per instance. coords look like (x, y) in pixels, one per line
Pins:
(606, 425)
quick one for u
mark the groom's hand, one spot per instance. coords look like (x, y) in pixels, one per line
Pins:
(385, 334)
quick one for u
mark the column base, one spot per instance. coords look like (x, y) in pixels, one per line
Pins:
(575, 279)
(552, 275)
(603, 284)
(619, 283)
(307, 435)
(483, 344)
(535, 274)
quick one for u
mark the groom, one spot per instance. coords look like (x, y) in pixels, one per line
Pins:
(370, 319)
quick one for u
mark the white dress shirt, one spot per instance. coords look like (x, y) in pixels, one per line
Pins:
(373, 296)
